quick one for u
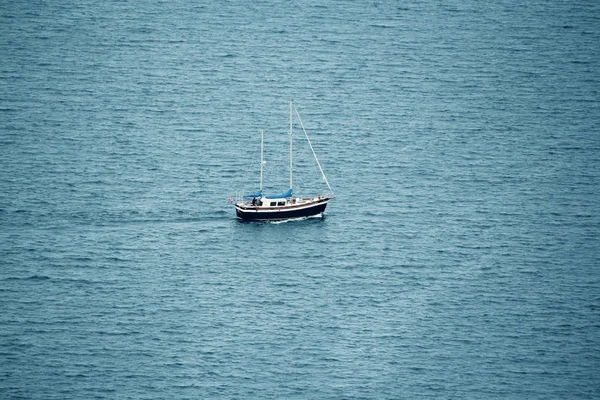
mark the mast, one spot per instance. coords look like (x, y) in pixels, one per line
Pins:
(290, 144)
(262, 160)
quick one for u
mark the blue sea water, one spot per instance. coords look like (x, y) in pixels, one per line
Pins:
(460, 258)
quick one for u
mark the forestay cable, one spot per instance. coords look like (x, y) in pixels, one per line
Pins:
(313, 150)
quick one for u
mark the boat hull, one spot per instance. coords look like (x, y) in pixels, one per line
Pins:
(280, 213)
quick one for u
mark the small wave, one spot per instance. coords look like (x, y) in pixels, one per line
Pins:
(382, 26)
(38, 278)
(29, 278)
(76, 281)
(286, 284)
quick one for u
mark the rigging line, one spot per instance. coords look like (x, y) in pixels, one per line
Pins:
(262, 158)
(313, 150)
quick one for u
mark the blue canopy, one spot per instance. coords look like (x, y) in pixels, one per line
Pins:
(281, 196)
(257, 194)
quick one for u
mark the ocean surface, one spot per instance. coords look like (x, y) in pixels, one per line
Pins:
(460, 259)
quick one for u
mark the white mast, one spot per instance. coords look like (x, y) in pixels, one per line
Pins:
(262, 161)
(291, 144)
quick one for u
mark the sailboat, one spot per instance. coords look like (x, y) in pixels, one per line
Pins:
(258, 207)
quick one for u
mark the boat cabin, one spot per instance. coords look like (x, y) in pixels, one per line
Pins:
(274, 202)
(268, 202)
(279, 202)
